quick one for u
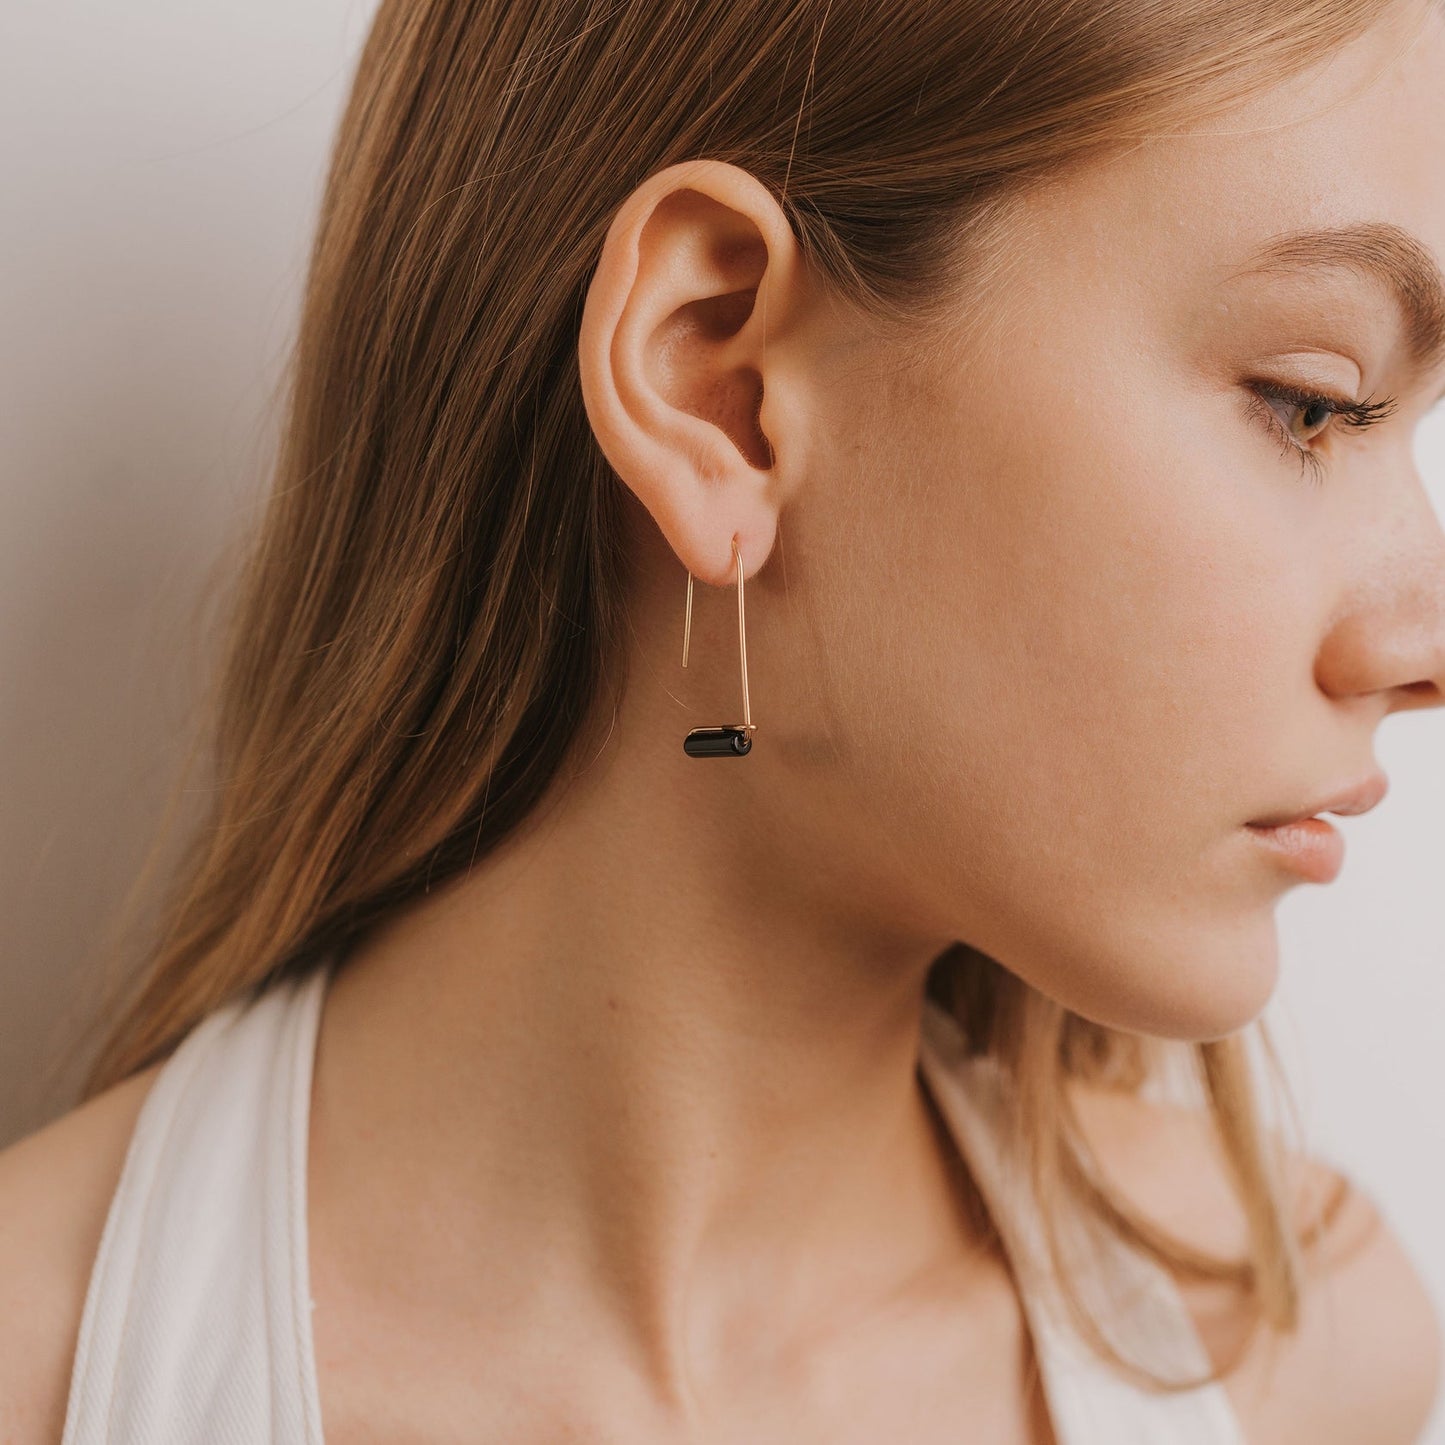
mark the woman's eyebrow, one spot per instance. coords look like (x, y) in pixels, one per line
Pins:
(1381, 252)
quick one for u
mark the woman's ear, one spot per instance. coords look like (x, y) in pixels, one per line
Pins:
(687, 362)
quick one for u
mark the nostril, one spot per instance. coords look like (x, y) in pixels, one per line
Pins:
(1423, 693)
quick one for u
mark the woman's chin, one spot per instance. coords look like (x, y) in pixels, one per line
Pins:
(1201, 984)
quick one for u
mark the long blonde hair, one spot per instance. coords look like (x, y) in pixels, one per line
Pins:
(432, 605)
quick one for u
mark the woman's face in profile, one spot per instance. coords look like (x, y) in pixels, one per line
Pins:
(1116, 601)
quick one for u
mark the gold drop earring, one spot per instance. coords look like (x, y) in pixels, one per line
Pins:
(732, 740)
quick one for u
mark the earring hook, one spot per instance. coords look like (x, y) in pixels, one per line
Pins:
(735, 739)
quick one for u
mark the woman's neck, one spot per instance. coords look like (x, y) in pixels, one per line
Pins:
(631, 1071)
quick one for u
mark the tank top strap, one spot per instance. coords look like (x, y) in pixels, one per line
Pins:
(196, 1323)
(1090, 1403)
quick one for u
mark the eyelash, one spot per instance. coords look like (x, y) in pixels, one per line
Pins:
(1355, 414)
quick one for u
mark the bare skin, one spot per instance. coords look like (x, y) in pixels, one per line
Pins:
(1361, 1367)
(620, 1137)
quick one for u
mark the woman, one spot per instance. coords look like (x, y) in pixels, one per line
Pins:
(1029, 392)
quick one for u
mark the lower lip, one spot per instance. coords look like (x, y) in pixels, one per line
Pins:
(1312, 848)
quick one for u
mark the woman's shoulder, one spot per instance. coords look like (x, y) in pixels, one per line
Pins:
(56, 1186)
(1365, 1361)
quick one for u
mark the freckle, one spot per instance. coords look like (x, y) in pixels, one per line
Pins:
(612, 1001)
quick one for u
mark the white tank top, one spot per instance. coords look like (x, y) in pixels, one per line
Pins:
(197, 1321)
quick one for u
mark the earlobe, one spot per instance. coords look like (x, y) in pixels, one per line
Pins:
(684, 329)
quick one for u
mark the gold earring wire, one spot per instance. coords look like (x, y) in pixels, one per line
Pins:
(735, 739)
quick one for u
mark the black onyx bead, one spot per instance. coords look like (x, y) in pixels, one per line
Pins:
(717, 743)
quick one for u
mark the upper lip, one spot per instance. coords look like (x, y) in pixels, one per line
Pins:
(1358, 799)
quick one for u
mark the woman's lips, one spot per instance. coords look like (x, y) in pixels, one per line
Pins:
(1312, 848)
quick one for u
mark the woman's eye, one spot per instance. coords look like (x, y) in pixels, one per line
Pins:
(1296, 416)
(1313, 416)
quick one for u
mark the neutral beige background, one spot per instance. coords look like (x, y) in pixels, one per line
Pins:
(159, 168)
